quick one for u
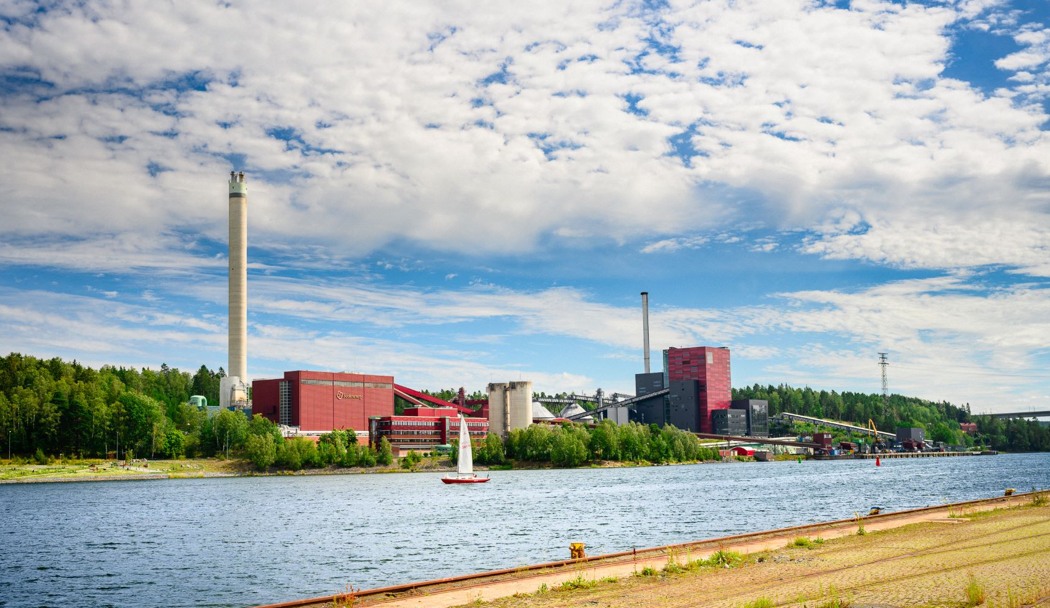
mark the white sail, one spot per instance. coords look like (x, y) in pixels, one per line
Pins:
(465, 463)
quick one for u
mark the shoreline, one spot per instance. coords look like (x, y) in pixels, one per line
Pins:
(198, 468)
(239, 469)
(565, 583)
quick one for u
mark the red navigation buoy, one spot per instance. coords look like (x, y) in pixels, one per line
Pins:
(878, 462)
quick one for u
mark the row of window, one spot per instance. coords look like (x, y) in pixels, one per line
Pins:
(383, 385)
(429, 423)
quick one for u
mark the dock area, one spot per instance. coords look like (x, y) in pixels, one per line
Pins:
(895, 455)
(1014, 556)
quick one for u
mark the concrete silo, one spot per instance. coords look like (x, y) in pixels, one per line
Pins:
(510, 406)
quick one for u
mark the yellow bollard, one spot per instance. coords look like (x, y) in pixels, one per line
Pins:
(576, 550)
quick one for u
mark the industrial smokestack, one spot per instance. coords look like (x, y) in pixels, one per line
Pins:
(238, 337)
(645, 328)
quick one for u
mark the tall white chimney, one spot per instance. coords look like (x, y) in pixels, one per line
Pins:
(238, 344)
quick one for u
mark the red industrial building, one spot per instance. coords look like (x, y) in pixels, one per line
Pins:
(709, 367)
(324, 401)
(424, 428)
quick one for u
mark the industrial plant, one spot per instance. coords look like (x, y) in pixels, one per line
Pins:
(693, 392)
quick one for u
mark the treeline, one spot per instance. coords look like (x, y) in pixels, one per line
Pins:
(263, 445)
(573, 445)
(57, 407)
(941, 420)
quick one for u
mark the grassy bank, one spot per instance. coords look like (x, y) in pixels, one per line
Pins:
(93, 469)
(997, 558)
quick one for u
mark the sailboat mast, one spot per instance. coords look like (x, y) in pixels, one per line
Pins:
(465, 464)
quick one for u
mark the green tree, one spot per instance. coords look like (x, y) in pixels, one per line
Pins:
(568, 448)
(174, 443)
(230, 429)
(385, 456)
(261, 450)
(137, 414)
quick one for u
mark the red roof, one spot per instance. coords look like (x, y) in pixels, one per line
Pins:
(415, 397)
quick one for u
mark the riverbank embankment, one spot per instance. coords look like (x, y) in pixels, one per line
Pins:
(997, 549)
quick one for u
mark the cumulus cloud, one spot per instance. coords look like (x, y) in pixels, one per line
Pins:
(360, 127)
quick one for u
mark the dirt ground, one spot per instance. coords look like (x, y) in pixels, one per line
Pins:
(1004, 556)
(953, 556)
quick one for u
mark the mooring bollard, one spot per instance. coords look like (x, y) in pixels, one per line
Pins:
(576, 550)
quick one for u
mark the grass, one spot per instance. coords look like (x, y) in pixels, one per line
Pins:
(762, 602)
(1040, 500)
(806, 542)
(346, 599)
(93, 468)
(724, 559)
(974, 592)
(578, 583)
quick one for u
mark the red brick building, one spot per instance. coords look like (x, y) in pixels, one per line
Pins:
(423, 428)
(324, 401)
(709, 367)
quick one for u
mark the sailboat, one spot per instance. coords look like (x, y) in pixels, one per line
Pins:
(465, 462)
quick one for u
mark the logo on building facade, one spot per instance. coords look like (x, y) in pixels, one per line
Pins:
(342, 395)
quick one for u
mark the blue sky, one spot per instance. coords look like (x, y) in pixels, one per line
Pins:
(457, 197)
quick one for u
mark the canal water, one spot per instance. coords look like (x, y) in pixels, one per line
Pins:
(246, 541)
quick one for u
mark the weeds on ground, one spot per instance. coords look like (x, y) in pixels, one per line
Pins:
(1040, 500)
(974, 592)
(648, 571)
(860, 524)
(806, 542)
(762, 602)
(831, 598)
(673, 567)
(543, 590)
(578, 583)
(346, 599)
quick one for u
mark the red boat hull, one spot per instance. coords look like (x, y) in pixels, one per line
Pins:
(465, 479)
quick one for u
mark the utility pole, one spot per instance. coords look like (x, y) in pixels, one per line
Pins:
(883, 362)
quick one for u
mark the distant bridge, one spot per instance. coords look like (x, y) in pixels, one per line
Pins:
(762, 440)
(1029, 414)
(842, 426)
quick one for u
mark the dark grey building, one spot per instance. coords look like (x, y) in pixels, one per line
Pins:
(757, 415)
(913, 433)
(650, 411)
(729, 422)
(683, 405)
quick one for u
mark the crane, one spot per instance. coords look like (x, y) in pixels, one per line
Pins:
(875, 443)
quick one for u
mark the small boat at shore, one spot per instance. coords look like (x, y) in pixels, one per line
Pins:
(465, 461)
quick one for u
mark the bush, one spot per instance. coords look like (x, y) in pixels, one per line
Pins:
(385, 457)
(411, 460)
(261, 450)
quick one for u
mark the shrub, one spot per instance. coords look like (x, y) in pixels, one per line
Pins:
(411, 460)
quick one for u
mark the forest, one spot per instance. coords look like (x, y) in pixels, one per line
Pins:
(58, 408)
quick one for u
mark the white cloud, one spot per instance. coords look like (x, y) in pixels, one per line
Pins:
(396, 134)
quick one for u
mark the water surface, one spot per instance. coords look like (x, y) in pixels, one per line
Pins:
(253, 540)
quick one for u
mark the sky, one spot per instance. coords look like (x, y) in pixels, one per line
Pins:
(459, 193)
